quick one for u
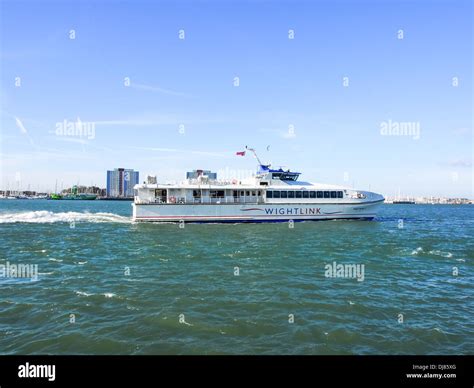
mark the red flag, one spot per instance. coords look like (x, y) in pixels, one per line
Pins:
(241, 153)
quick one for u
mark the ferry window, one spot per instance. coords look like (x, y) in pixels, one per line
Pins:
(305, 194)
(236, 193)
(289, 176)
(286, 175)
(276, 194)
(312, 194)
(247, 193)
(217, 193)
(298, 194)
(340, 194)
(284, 194)
(333, 194)
(269, 194)
(326, 194)
(241, 193)
(319, 194)
(196, 193)
(259, 193)
(291, 194)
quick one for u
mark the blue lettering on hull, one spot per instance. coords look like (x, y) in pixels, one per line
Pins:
(293, 211)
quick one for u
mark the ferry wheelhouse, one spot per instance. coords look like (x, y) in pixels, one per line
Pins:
(271, 195)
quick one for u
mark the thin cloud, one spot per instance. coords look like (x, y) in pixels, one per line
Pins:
(136, 122)
(461, 163)
(20, 160)
(23, 130)
(175, 150)
(72, 140)
(157, 89)
(143, 120)
(20, 125)
(146, 120)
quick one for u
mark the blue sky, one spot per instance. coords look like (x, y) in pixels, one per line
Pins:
(182, 109)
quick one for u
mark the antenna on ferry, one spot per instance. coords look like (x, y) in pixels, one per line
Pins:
(255, 155)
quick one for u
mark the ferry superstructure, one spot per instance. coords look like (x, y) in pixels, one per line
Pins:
(271, 195)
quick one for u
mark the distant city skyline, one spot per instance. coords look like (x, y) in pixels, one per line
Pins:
(358, 93)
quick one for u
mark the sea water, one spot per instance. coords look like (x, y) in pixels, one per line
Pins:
(106, 285)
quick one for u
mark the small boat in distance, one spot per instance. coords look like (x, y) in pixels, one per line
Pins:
(80, 196)
(74, 195)
(271, 195)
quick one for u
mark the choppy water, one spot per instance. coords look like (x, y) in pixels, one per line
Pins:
(82, 269)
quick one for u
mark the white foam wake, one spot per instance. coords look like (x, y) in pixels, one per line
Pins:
(47, 217)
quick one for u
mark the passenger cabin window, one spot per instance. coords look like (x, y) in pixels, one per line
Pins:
(340, 194)
(291, 194)
(312, 194)
(333, 194)
(284, 194)
(269, 194)
(298, 194)
(276, 194)
(305, 194)
(319, 194)
(217, 193)
(286, 175)
(326, 194)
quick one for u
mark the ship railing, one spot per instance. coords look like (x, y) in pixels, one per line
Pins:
(210, 182)
(142, 201)
(219, 200)
(199, 200)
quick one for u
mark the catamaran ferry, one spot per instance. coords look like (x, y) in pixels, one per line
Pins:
(271, 195)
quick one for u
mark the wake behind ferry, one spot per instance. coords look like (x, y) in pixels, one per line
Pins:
(271, 195)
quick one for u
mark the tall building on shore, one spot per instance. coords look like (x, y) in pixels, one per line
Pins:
(120, 182)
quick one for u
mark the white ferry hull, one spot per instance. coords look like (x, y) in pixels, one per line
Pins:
(234, 213)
